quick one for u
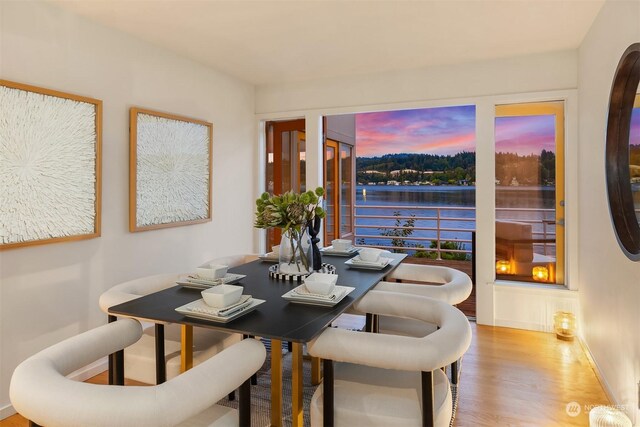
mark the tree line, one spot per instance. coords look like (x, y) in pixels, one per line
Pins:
(511, 168)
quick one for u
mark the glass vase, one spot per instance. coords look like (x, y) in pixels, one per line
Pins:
(295, 252)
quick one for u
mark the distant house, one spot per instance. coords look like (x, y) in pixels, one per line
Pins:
(399, 171)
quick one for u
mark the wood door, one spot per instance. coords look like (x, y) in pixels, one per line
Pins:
(286, 163)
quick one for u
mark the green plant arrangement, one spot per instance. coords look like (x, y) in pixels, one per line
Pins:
(292, 212)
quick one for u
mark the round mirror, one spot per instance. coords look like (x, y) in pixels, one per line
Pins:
(623, 152)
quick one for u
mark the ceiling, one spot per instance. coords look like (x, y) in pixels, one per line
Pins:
(267, 41)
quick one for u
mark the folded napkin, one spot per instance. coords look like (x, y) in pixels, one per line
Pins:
(303, 292)
(380, 262)
(203, 281)
(245, 300)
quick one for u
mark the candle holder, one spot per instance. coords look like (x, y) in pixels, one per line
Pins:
(564, 324)
(540, 274)
(606, 416)
(503, 267)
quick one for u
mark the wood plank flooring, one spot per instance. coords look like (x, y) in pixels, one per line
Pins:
(509, 377)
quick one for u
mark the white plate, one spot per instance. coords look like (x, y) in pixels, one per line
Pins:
(186, 310)
(193, 283)
(340, 292)
(329, 250)
(356, 262)
(270, 257)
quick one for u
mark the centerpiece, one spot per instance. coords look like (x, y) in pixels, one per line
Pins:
(295, 214)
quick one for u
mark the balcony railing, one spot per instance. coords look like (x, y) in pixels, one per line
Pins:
(441, 224)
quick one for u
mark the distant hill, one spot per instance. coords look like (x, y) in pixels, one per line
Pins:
(423, 162)
(457, 169)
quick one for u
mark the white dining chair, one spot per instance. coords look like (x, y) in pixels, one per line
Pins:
(442, 283)
(386, 380)
(139, 359)
(41, 392)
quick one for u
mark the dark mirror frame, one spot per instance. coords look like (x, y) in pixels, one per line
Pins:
(621, 206)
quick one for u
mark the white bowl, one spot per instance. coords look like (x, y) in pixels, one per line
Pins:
(342, 245)
(276, 250)
(212, 272)
(321, 283)
(369, 254)
(222, 295)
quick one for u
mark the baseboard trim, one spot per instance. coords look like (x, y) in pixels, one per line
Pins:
(528, 326)
(7, 411)
(598, 372)
(83, 374)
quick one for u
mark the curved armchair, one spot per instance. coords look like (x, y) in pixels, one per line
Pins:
(453, 287)
(139, 358)
(390, 380)
(41, 392)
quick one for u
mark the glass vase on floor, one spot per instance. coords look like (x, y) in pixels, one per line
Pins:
(295, 252)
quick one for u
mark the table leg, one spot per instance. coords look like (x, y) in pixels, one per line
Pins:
(186, 353)
(161, 364)
(297, 415)
(316, 373)
(276, 383)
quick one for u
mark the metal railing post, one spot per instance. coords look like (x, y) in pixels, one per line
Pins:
(439, 257)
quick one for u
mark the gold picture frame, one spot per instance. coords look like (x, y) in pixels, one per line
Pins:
(170, 170)
(51, 161)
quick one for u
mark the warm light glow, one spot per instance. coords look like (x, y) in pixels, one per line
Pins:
(503, 267)
(564, 325)
(540, 274)
(607, 416)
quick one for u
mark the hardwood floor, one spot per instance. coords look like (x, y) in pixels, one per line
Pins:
(509, 377)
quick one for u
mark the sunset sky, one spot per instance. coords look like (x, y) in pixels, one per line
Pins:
(634, 137)
(447, 130)
(525, 135)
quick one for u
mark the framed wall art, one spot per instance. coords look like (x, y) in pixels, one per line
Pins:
(50, 166)
(169, 170)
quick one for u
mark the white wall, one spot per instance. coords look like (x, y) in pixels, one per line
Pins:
(50, 292)
(609, 282)
(512, 75)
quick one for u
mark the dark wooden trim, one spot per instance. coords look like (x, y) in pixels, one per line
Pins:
(161, 364)
(244, 404)
(116, 362)
(327, 393)
(428, 411)
(454, 372)
(623, 93)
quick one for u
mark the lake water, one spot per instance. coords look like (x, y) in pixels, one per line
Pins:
(405, 196)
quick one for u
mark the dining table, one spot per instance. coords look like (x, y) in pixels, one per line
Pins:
(277, 319)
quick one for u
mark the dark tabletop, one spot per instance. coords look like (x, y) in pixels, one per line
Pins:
(276, 318)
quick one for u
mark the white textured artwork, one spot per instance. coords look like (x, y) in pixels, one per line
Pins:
(48, 155)
(172, 171)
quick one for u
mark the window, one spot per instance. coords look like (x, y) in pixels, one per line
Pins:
(530, 192)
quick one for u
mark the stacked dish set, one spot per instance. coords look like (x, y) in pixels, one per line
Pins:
(340, 247)
(220, 303)
(369, 259)
(210, 275)
(318, 289)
